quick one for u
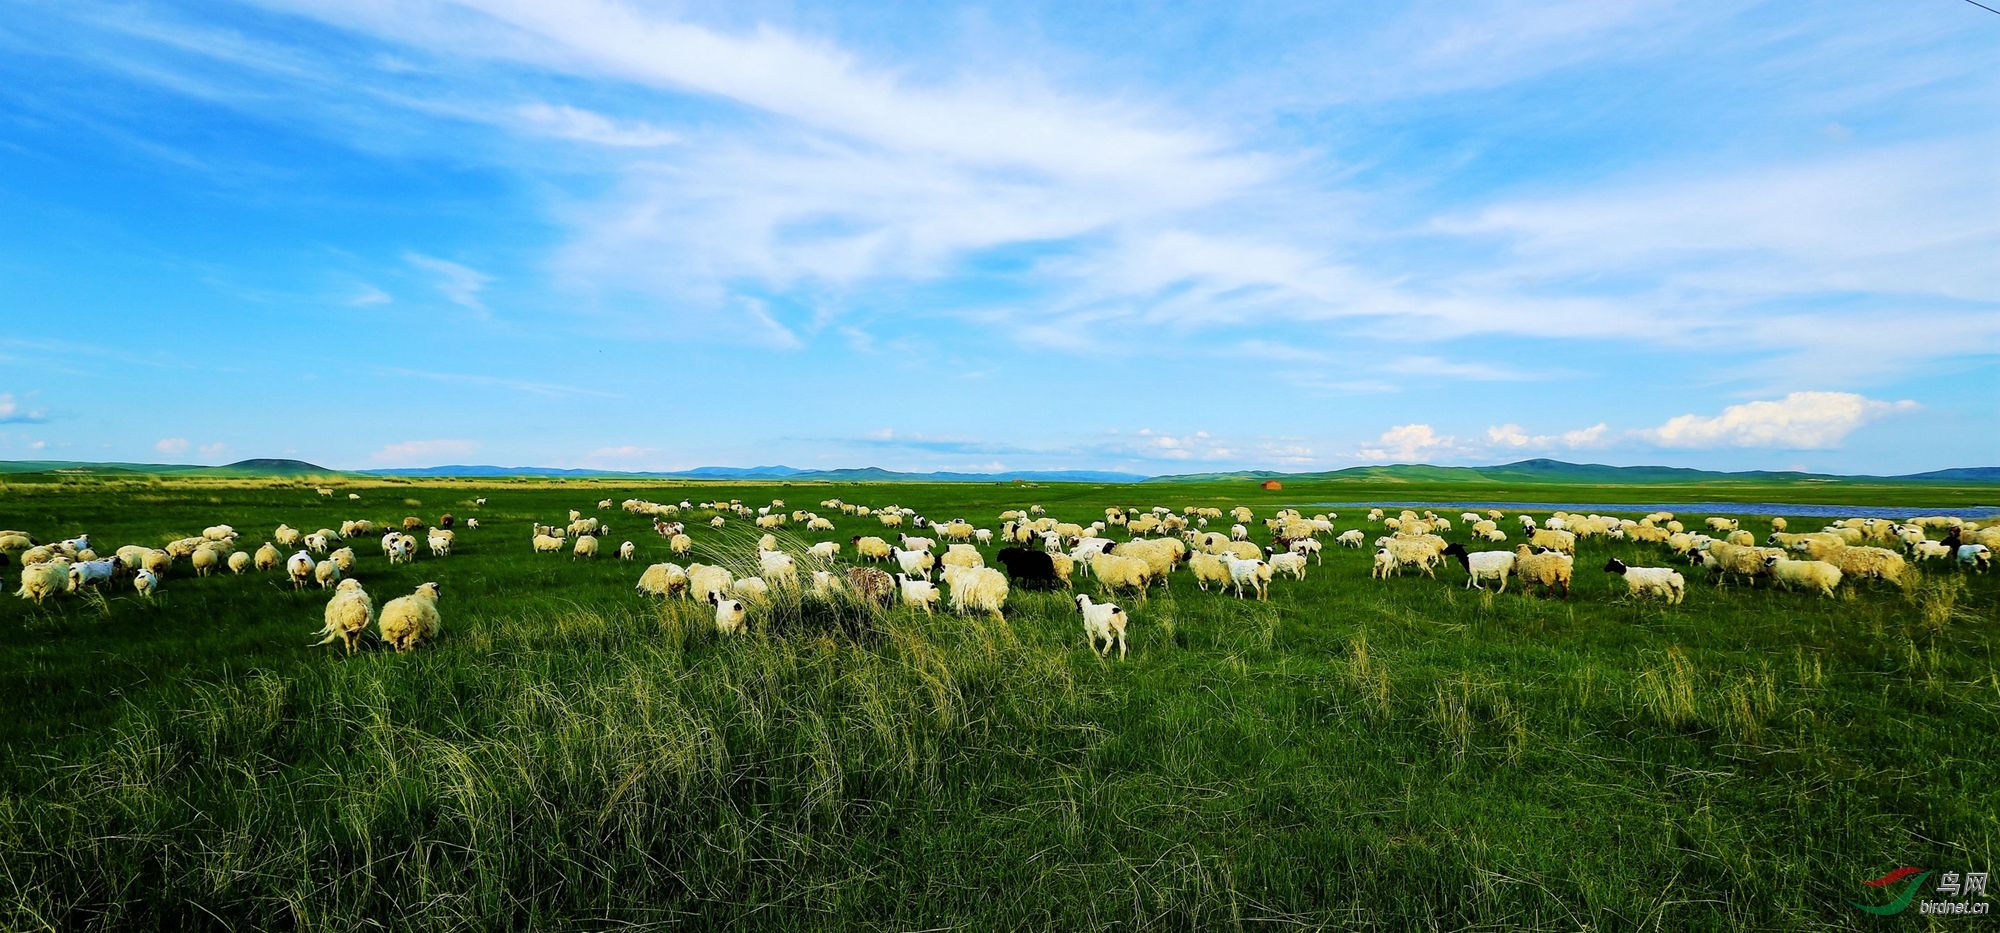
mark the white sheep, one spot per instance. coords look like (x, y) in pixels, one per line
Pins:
(778, 567)
(663, 580)
(921, 592)
(439, 540)
(1350, 538)
(1255, 574)
(1308, 547)
(147, 582)
(825, 550)
(327, 572)
(300, 567)
(1103, 622)
(627, 551)
(348, 614)
(1483, 565)
(41, 581)
(1664, 582)
(751, 588)
(707, 579)
(1976, 556)
(1291, 562)
(979, 589)
(403, 550)
(586, 548)
(730, 614)
(239, 561)
(914, 563)
(1810, 574)
(1208, 568)
(408, 621)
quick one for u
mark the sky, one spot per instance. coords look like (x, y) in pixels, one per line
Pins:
(1149, 237)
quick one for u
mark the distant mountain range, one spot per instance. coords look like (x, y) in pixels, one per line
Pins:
(1524, 471)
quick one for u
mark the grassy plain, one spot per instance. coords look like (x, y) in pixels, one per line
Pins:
(1350, 755)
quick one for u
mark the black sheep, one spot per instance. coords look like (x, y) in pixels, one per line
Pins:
(1029, 569)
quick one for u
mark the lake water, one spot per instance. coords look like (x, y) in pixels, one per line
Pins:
(1689, 508)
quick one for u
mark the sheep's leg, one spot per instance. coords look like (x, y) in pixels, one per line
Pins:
(1121, 647)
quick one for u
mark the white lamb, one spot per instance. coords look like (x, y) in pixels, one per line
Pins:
(1976, 556)
(627, 551)
(914, 563)
(1664, 582)
(1350, 538)
(778, 567)
(825, 550)
(1291, 562)
(1483, 565)
(1103, 622)
(1255, 574)
(586, 548)
(921, 592)
(147, 582)
(978, 589)
(327, 572)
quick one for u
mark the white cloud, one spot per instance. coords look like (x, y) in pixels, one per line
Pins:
(1409, 442)
(12, 413)
(212, 451)
(565, 122)
(369, 296)
(423, 453)
(1514, 436)
(1801, 420)
(459, 284)
(171, 445)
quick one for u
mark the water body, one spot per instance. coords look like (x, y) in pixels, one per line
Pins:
(1689, 508)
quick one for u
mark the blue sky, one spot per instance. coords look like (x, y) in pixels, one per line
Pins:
(1139, 236)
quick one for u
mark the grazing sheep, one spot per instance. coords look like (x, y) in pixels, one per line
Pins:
(472, 524)
(1350, 538)
(352, 496)
(1664, 582)
(979, 589)
(663, 580)
(1734, 560)
(825, 550)
(300, 567)
(205, 561)
(159, 562)
(586, 547)
(872, 585)
(716, 522)
(1976, 556)
(627, 551)
(440, 540)
(318, 543)
(1308, 547)
(348, 615)
(730, 614)
(870, 547)
(287, 536)
(779, 567)
(239, 561)
(403, 550)
(1254, 573)
(680, 544)
(1547, 569)
(1291, 562)
(962, 555)
(1419, 552)
(751, 588)
(327, 572)
(1103, 622)
(921, 592)
(1554, 539)
(707, 579)
(1208, 568)
(408, 621)
(147, 582)
(1483, 565)
(1162, 554)
(41, 581)
(1117, 572)
(1864, 563)
(914, 563)
(1807, 574)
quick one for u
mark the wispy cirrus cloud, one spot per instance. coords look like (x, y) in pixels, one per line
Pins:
(11, 412)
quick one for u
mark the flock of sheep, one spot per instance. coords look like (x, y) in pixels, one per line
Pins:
(1037, 551)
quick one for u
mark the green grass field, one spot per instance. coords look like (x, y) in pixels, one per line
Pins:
(1352, 754)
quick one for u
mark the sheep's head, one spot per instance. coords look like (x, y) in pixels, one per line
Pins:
(1614, 565)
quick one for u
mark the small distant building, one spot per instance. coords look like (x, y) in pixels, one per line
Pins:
(1273, 484)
